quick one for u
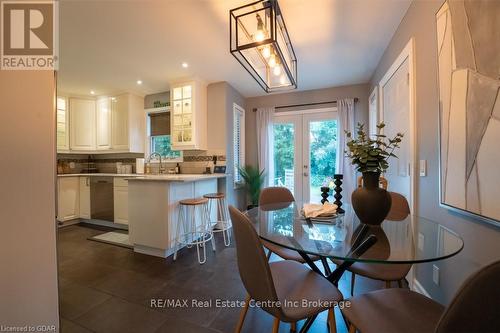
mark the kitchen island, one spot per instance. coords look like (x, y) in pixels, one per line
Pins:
(152, 208)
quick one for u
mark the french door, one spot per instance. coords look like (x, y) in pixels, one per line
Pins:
(305, 151)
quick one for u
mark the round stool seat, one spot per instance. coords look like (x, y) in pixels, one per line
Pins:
(193, 202)
(214, 195)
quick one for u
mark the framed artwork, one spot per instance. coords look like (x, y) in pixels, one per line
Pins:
(468, 44)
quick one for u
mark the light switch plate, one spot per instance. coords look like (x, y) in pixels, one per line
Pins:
(435, 274)
(423, 168)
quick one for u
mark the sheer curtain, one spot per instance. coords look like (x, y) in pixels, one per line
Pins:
(345, 111)
(265, 142)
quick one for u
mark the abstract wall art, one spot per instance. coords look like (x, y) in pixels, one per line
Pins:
(468, 38)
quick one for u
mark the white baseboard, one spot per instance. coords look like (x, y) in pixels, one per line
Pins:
(419, 288)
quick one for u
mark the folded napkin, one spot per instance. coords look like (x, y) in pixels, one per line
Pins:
(319, 210)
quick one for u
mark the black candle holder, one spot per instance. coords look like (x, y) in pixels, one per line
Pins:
(324, 194)
(338, 190)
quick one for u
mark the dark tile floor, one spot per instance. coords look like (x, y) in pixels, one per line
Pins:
(106, 288)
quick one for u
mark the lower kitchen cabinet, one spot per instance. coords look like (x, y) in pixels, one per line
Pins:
(85, 197)
(120, 194)
(68, 198)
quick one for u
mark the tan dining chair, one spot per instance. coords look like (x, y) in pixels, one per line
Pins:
(280, 287)
(383, 183)
(400, 209)
(274, 195)
(473, 309)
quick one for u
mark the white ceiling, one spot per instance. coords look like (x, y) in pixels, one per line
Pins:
(108, 45)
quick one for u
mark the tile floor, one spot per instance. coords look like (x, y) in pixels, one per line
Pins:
(106, 288)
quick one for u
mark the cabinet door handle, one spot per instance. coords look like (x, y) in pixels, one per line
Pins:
(86, 181)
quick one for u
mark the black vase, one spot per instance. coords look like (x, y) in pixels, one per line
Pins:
(370, 202)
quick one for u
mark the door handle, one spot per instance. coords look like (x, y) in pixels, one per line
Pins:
(306, 174)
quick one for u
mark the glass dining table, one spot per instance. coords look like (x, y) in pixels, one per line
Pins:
(345, 240)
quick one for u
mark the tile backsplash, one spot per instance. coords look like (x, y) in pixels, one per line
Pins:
(193, 162)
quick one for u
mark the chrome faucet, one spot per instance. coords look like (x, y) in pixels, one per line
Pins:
(162, 168)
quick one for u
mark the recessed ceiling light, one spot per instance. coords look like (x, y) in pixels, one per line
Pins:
(139, 82)
(185, 65)
(92, 92)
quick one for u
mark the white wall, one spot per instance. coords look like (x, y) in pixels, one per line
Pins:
(28, 273)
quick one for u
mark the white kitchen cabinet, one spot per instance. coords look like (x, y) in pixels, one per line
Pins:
(84, 197)
(188, 117)
(120, 197)
(82, 124)
(103, 124)
(128, 123)
(68, 198)
(62, 125)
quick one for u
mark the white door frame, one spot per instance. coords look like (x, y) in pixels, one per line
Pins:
(300, 119)
(406, 54)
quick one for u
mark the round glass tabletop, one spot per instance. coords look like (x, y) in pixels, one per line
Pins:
(411, 240)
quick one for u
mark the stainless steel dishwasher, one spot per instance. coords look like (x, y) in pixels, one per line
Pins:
(101, 198)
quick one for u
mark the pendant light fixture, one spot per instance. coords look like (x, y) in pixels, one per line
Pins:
(260, 42)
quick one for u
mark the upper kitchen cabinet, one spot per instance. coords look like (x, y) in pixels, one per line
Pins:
(128, 123)
(103, 123)
(62, 124)
(82, 124)
(189, 115)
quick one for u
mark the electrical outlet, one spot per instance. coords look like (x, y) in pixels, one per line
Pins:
(435, 274)
(421, 241)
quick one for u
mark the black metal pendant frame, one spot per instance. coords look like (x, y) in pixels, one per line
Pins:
(276, 22)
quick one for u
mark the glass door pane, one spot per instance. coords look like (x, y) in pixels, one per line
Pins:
(321, 154)
(284, 155)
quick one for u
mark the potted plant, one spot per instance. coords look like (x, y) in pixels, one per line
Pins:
(370, 155)
(254, 179)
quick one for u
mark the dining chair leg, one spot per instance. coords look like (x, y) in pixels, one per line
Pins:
(243, 313)
(276, 325)
(331, 321)
(353, 280)
(293, 327)
(387, 284)
(400, 283)
(269, 253)
(352, 328)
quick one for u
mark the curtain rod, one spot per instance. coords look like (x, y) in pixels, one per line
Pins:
(305, 104)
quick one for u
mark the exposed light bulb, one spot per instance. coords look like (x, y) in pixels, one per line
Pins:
(266, 52)
(259, 36)
(272, 61)
(282, 80)
(277, 70)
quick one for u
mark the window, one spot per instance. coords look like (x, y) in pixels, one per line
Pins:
(160, 141)
(239, 142)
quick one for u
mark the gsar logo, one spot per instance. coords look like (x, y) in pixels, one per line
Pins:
(29, 35)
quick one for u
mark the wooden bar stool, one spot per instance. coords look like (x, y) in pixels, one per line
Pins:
(193, 233)
(224, 224)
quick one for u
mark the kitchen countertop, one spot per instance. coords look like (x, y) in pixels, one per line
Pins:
(177, 178)
(129, 175)
(142, 177)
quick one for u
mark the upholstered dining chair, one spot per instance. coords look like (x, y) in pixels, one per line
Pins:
(473, 309)
(400, 209)
(274, 195)
(280, 287)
